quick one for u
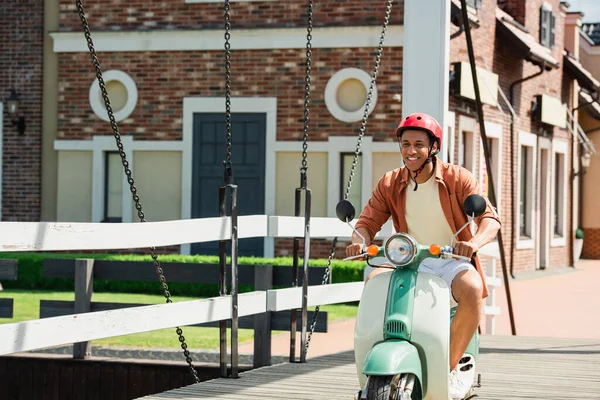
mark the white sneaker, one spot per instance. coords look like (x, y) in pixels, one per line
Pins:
(462, 378)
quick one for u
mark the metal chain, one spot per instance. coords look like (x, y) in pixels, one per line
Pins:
(369, 95)
(307, 82)
(227, 162)
(136, 198)
(386, 20)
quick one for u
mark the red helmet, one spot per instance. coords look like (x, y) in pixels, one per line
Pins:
(423, 122)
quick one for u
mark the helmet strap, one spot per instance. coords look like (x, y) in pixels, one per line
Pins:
(429, 159)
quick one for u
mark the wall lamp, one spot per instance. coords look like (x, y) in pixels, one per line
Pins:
(586, 159)
(14, 103)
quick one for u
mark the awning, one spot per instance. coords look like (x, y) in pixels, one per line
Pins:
(585, 100)
(577, 131)
(583, 76)
(456, 14)
(524, 41)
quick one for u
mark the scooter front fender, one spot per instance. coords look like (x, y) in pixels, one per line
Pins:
(392, 357)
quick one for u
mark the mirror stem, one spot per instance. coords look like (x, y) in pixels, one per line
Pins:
(355, 231)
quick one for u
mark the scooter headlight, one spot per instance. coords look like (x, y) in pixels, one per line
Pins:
(401, 249)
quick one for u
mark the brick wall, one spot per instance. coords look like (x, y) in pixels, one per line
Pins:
(164, 78)
(21, 68)
(176, 14)
(591, 243)
(495, 52)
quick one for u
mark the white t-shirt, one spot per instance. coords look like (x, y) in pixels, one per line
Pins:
(425, 218)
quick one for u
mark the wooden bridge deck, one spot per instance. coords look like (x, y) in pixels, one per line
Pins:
(510, 368)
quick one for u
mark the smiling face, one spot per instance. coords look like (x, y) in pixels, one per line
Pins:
(414, 145)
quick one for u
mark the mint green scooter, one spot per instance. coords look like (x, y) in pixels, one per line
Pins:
(402, 333)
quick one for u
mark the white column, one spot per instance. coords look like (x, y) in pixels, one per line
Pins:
(1, 154)
(426, 60)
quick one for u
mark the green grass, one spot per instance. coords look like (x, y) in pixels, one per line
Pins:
(26, 307)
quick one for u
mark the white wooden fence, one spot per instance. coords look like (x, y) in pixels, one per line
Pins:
(49, 332)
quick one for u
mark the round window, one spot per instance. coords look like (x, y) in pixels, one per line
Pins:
(122, 93)
(346, 94)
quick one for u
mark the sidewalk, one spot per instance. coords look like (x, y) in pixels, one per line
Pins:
(553, 303)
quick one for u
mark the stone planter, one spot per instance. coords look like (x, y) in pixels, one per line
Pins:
(577, 248)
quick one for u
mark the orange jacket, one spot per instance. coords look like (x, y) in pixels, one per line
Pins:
(455, 185)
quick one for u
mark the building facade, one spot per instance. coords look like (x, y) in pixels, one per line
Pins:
(589, 119)
(163, 64)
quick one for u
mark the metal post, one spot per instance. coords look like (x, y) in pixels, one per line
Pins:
(296, 249)
(84, 286)
(223, 286)
(234, 283)
(305, 275)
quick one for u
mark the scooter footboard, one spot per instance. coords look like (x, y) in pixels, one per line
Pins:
(392, 357)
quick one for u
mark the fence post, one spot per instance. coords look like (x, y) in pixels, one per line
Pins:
(84, 286)
(263, 280)
(492, 309)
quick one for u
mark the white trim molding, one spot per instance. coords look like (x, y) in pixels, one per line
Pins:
(468, 124)
(97, 103)
(242, 39)
(334, 147)
(559, 147)
(331, 98)
(528, 140)
(98, 146)
(494, 131)
(192, 105)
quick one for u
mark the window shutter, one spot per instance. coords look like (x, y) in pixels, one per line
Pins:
(552, 24)
(543, 26)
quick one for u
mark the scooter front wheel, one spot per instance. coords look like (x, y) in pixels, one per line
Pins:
(393, 387)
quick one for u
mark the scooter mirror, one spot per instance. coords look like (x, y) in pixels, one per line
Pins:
(475, 205)
(345, 211)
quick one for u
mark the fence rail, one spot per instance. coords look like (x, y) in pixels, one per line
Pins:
(61, 236)
(93, 325)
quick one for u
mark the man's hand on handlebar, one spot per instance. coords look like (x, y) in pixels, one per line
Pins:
(465, 249)
(354, 250)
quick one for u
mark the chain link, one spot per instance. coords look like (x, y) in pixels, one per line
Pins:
(386, 21)
(227, 162)
(130, 180)
(307, 82)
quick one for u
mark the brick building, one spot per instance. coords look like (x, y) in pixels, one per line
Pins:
(587, 49)
(164, 67)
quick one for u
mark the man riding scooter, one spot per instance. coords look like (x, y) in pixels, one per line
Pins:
(424, 199)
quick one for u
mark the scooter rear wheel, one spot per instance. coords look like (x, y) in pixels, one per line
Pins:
(380, 387)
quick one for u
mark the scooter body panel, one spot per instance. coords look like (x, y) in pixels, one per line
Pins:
(431, 333)
(392, 357)
(369, 328)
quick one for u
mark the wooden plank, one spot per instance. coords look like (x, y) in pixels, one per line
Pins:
(121, 383)
(287, 299)
(8, 270)
(177, 272)
(136, 382)
(84, 287)
(107, 381)
(511, 368)
(145, 272)
(282, 276)
(320, 227)
(66, 378)
(31, 335)
(56, 236)
(280, 320)
(92, 382)
(263, 280)
(6, 308)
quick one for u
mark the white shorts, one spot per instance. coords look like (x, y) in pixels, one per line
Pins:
(445, 269)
